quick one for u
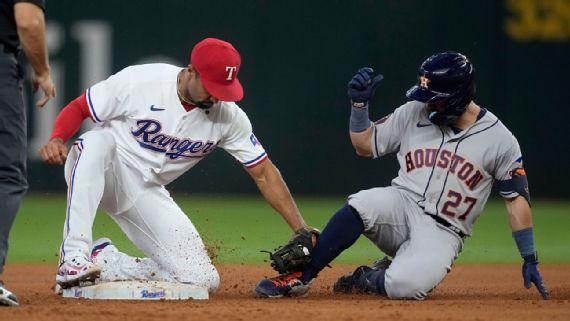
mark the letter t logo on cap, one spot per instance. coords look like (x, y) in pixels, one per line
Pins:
(230, 71)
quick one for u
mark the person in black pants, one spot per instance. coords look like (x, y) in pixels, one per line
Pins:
(22, 26)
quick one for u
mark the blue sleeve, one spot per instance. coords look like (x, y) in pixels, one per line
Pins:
(525, 241)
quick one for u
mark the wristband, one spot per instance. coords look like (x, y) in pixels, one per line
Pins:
(525, 241)
(359, 119)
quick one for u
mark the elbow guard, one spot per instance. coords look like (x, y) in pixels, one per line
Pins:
(517, 184)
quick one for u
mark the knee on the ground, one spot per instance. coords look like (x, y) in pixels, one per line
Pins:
(205, 275)
(400, 285)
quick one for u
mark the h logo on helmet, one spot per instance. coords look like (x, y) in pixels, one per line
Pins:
(424, 81)
(230, 71)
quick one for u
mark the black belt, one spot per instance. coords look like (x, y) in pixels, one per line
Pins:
(450, 226)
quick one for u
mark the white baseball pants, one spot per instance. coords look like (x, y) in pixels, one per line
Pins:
(145, 212)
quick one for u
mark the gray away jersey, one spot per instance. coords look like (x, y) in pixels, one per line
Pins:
(451, 174)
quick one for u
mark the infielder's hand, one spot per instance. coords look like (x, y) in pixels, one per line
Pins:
(46, 84)
(531, 275)
(362, 86)
(54, 152)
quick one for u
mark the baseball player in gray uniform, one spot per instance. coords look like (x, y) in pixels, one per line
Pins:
(450, 152)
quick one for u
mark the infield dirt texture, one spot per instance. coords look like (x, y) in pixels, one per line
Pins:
(470, 292)
(485, 284)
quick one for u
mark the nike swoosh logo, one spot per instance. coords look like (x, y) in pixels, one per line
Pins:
(152, 108)
(422, 125)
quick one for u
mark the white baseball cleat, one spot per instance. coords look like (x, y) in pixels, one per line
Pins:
(6, 297)
(57, 289)
(77, 271)
(99, 247)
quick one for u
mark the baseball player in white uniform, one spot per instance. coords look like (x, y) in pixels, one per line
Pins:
(153, 123)
(450, 152)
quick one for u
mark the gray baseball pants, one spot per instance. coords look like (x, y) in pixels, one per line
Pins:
(423, 250)
(13, 144)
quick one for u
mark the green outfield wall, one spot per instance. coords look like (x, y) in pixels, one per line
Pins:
(297, 59)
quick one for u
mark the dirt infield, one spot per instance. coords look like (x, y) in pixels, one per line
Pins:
(470, 292)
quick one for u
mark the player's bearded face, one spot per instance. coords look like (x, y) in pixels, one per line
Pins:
(438, 106)
(197, 93)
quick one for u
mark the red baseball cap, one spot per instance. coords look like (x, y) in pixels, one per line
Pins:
(218, 63)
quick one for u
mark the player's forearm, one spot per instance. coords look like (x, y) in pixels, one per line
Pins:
(520, 218)
(275, 191)
(361, 142)
(31, 31)
(520, 215)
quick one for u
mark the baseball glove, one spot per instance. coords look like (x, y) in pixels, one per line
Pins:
(296, 254)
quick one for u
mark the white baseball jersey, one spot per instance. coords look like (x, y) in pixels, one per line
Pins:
(450, 173)
(156, 135)
(143, 140)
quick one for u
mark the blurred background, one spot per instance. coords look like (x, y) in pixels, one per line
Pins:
(297, 59)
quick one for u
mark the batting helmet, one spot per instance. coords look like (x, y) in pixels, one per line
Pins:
(447, 76)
